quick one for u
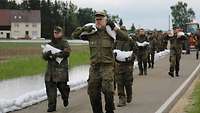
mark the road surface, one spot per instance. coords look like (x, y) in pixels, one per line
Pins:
(149, 92)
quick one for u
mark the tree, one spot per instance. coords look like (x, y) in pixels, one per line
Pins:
(34, 4)
(85, 15)
(3, 4)
(13, 5)
(133, 28)
(25, 5)
(120, 22)
(181, 14)
(71, 20)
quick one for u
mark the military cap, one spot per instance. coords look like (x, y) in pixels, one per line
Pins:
(58, 29)
(101, 13)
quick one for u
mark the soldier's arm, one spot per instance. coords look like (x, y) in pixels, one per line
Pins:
(77, 32)
(47, 56)
(121, 34)
(66, 51)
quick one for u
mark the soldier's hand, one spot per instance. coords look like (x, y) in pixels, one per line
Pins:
(50, 55)
(111, 24)
(87, 28)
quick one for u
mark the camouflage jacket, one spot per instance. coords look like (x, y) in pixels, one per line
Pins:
(101, 44)
(57, 72)
(145, 49)
(176, 45)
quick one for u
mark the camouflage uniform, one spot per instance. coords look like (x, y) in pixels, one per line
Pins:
(175, 54)
(124, 76)
(142, 55)
(56, 75)
(152, 49)
(101, 73)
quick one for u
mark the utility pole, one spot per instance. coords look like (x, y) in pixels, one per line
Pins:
(169, 23)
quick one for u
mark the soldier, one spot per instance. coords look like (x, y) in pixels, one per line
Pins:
(197, 39)
(124, 77)
(142, 52)
(175, 51)
(152, 49)
(56, 75)
(101, 75)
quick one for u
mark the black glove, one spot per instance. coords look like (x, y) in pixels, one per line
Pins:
(111, 24)
(50, 55)
(87, 28)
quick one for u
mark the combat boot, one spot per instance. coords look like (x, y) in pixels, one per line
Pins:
(145, 72)
(141, 73)
(149, 66)
(152, 66)
(129, 99)
(171, 74)
(122, 101)
(51, 109)
(65, 103)
(109, 111)
(177, 75)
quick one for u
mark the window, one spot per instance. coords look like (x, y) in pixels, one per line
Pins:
(34, 25)
(16, 25)
(26, 25)
(16, 31)
(20, 17)
(1, 33)
(15, 17)
(34, 33)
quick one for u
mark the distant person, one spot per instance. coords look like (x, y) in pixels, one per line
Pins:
(197, 44)
(56, 75)
(101, 74)
(142, 52)
(152, 49)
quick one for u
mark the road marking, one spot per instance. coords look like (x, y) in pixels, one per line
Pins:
(177, 92)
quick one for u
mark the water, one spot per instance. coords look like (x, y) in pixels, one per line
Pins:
(11, 89)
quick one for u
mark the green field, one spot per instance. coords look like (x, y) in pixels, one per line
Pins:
(17, 63)
(194, 106)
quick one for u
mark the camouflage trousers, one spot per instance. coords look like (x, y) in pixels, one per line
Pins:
(197, 51)
(174, 63)
(151, 56)
(101, 80)
(124, 79)
(142, 61)
(51, 90)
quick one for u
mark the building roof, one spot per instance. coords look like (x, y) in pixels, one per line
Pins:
(9, 16)
(5, 18)
(25, 16)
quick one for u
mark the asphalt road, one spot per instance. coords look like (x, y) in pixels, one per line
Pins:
(150, 92)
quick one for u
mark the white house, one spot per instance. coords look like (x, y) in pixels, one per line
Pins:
(20, 24)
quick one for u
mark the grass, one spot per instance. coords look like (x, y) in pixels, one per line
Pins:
(5, 45)
(194, 107)
(29, 65)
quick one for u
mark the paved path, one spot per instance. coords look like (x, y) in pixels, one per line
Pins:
(150, 92)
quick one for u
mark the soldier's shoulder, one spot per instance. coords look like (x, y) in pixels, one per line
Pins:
(123, 28)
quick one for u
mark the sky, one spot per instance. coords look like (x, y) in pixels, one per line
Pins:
(148, 14)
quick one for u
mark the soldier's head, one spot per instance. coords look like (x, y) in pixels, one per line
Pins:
(58, 32)
(100, 19)
(141, 31)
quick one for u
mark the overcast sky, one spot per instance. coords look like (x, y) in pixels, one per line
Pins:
(143, 13)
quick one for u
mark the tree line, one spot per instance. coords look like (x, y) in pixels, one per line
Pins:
(61, 13)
